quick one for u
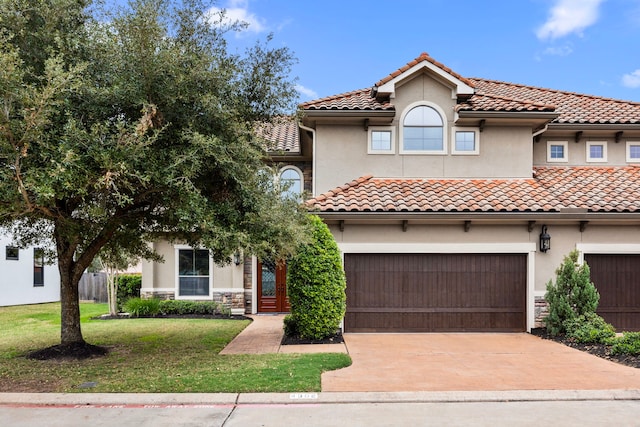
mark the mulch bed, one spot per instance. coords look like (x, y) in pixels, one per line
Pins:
(295, 339)
(73, 351)
(600, 350)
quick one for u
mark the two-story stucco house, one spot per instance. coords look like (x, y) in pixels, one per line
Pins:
(453, 201)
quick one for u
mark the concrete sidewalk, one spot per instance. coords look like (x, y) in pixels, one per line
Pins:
(193, 399)
(264, 335)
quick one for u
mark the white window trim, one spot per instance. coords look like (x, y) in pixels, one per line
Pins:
(474, 152)
(295, 169)
(628, 152)
(603, 159)
(177, 275)
(565, 144)
(371, 150)
(445, 133)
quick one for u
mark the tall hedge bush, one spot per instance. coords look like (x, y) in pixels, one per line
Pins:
(316, 284)
(573, 295)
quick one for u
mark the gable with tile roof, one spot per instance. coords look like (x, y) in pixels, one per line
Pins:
(446, 172)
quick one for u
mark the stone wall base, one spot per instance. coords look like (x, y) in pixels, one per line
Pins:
(541, 310)
(232, 300)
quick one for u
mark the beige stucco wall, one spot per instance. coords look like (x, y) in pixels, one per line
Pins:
(342, 149)
(616, 152)
(162, 276)
(564, 238)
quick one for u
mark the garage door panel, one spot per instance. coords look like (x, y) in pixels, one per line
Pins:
(436, 292)
(617, 278)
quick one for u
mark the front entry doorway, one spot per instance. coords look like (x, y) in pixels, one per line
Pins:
(272, 287)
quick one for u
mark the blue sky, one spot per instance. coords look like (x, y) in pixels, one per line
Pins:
(585, 46)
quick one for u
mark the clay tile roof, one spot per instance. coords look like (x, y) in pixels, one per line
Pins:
(492, 95)
(280, 135)
(423, 57)
(572, 107)
(491, 102)
(597, 189)
(355, 100)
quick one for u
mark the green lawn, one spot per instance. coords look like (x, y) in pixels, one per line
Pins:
(148, 355)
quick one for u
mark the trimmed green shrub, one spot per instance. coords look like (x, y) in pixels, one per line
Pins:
(316, 285)
(138, 307)
(573, 294)
(185, 307)
(590, 328)
(128, 287)
(628, 343)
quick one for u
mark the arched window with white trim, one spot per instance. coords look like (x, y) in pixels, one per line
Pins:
(423, 130)
(292, 181)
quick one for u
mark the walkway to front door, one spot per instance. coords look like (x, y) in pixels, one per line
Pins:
(272, 288)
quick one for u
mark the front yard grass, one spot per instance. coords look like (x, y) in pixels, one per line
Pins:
(147, 355)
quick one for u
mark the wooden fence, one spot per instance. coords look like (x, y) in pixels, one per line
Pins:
(93, 287)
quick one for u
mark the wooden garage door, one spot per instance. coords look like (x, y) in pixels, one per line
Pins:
(435, 292)
(617, 278)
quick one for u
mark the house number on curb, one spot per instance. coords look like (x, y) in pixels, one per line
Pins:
(299, 396)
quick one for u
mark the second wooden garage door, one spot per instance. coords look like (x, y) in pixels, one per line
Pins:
(617, 278)
(435, 292)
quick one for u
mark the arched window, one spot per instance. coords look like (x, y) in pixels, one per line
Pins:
(423, 130)
(291, 180)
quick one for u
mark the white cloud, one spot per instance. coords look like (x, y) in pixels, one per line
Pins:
(565, 50)
(569, 16)
(238, 10)
(632, 80)
(309, 93)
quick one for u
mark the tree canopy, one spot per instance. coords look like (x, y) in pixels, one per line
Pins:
(126, 126)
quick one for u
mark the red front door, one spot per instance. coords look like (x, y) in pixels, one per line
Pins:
(272, 288)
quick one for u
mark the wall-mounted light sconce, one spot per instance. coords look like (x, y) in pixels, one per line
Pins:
(236, 258)
(545, 240)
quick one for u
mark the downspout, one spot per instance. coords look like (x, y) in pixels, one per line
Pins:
(313, 157)
(541, 131)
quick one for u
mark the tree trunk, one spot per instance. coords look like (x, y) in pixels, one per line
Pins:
(70, 331)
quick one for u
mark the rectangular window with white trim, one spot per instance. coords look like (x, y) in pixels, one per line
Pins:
(466, 141)
(193, 273)
(596, 151)
(633, 151)
(557, 151)
(381, 140)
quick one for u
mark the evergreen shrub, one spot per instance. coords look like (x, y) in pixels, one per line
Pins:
(316, 285)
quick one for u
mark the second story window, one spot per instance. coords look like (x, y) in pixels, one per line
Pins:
(423, 131)
(465, 142)
(633, 151)
(381, 140)
(596, 151)
(557, 152)
(291, 179)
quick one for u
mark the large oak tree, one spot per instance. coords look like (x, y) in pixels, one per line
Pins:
(120, 128)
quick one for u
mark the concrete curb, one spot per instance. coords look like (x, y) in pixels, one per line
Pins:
(166, 399)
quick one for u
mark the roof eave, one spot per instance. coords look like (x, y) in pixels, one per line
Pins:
(524, 215)
(543, 115)
(595, 126)
(349, 113)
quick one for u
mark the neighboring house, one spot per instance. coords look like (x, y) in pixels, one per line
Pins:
(26, 278)
(443, 193)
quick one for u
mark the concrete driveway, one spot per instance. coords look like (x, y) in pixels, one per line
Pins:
(472, 362)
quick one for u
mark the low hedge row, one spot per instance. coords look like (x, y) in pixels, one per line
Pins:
(150, 307)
